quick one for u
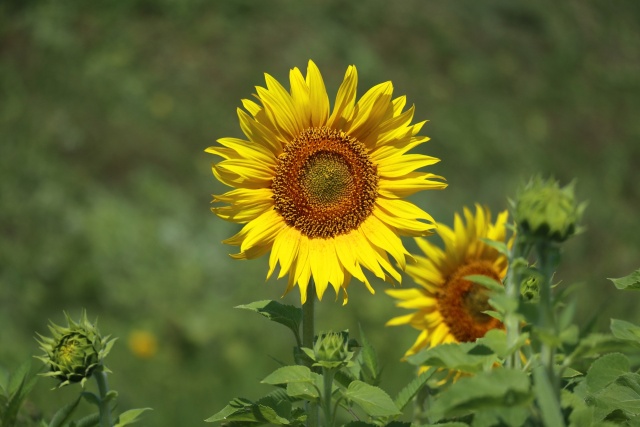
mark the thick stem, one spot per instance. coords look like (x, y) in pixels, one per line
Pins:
(512, 289)
(327, 376)
(308, 318)
(548, 257)
(103, 389)
(308, 333)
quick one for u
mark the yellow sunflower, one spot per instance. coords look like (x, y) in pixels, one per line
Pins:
(448, 307)
(323, 189)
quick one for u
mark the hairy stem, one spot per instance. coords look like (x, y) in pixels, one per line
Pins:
(103, 388)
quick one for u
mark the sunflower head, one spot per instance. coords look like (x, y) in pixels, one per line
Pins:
(74, 352)
(544, 210)
(322, 188)
(448, 307)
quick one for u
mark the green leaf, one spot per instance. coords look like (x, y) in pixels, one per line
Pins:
(235, 410)
(457, 356)
(367, 359)
(64, 413)
(499, 246)
(486, 281)
(19, 385)
(287, 315)
(289, 374)
(373, 400)
(131, 416)
(91, 398)
(503, 303)
(449, 424)
(4, 380)
(18, 378)
(625, 330)
(359, 424)
(88, 421)
(495, 388)
(545, 395)
(606, 370)
(411, 390)
(596, 343)
(630, 282)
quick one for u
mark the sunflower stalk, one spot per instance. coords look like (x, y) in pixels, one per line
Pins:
(519, 252)
(327, 376)
(548, 256)
(103, 389)
(308, 334)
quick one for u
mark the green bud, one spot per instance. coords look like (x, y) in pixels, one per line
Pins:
(530, 287)
(545, 211)
(74, 352)
(331, 349)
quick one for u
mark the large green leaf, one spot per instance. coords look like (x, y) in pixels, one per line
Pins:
(606, 370)
(495, 388)
(373, 400)
(287, 315)
(630, 282)
(289, 374)
(459, 356)
(625, 330)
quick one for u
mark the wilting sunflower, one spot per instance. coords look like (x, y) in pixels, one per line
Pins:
(448, 307)
(323, 190)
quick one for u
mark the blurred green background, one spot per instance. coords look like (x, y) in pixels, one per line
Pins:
(106, 108)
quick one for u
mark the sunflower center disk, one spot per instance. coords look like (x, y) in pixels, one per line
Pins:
(463, 303)
(325, 183)
(327, 179)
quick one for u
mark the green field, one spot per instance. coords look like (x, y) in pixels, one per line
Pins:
(106, 108)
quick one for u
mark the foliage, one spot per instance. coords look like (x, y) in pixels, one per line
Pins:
(105, 205)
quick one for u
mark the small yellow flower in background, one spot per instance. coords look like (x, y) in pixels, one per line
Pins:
(323, 190)
(143, 343)
(448, 307)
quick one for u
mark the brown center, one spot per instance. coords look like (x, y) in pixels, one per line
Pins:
(325, 183)
(462, 303)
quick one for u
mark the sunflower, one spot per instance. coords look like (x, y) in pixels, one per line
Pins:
(323, 189)
(450, 308)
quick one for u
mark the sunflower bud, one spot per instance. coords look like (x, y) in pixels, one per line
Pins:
(331, 349)
(543, 210)
(530, 287)
(74, 352)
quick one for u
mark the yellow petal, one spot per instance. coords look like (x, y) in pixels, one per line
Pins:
(345, 100)
(318, 96)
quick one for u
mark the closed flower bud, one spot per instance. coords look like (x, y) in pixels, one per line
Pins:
(74, 352)
(545, 211)
(331, 349)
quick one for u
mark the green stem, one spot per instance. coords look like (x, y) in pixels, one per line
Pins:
(548, 256)
(308, 333)
(327, 375)
(512, 289)
(103, 388)
(308, 317)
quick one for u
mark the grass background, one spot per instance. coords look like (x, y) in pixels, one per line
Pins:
(106, 108)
